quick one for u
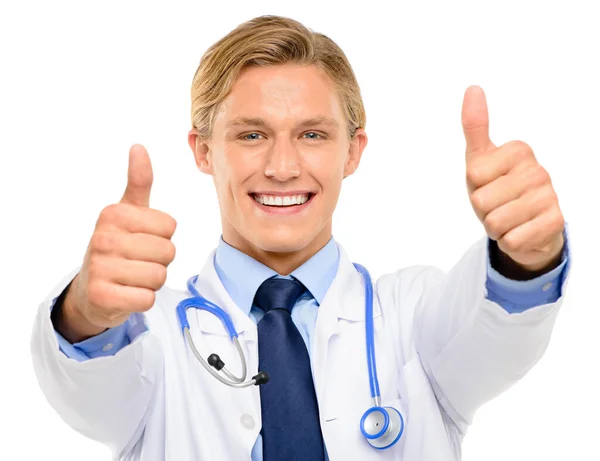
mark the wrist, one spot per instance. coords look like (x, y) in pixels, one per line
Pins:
(511, 269)
(69, 320)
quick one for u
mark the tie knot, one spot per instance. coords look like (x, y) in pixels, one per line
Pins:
(275, 293)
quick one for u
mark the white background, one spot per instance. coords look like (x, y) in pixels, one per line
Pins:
(81, 82)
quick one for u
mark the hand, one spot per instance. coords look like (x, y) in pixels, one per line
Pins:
(511, 193)
(127, 257)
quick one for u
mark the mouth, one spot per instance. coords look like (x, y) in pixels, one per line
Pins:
(282, 204)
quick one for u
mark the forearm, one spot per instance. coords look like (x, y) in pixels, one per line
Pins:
(471, 348)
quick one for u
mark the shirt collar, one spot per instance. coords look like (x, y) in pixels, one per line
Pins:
(241, 274)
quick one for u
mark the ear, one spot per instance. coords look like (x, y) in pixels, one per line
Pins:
(201, 152)
(355, 150)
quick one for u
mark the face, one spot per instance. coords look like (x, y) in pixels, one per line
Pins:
(278, 153)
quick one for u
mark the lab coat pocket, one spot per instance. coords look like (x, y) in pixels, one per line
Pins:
(344, 440)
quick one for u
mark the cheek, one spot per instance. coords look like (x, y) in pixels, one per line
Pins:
(232, 168)
(327, 166)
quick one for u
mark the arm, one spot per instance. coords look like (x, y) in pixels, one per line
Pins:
(101, 344)
(478, 331)
(471, 347)
(515, 290)
(106, 399)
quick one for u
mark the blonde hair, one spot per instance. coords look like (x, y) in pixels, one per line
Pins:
(264, 41)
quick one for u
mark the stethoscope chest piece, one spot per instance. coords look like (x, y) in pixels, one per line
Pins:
(382, 426)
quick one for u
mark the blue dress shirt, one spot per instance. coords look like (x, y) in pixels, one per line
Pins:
(241, 276)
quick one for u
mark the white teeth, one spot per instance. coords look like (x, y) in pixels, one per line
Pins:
(276, 200)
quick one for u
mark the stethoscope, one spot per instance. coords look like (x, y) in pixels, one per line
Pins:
(382, 426)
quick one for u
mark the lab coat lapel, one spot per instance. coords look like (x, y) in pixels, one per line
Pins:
(207, 328)
(209, 286)
(345, 300)
(210, 336)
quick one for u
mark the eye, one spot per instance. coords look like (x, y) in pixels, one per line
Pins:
(253, 138)
(316, 136)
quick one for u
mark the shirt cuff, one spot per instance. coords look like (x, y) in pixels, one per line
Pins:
(517, 296)
(107, 343)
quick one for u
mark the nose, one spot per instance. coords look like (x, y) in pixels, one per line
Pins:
(283, 162)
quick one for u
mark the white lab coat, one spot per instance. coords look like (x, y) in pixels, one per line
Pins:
(442, 351)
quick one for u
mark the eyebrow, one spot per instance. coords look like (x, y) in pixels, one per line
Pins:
(256, 121)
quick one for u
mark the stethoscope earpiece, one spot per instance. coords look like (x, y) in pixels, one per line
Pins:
(215, 361)
(261, 378)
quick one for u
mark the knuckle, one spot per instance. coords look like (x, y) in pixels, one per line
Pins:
(493, 225)
(539, 200)
(537, 174)
(170, 224)
(95, 268)
(512, 244)
(159, 276)
(520, 146)
(103, 242)
(473, 175)
(170, 251)
(150, 298)
(520, 150)
(145, 299)
(110, 213)
(550, 197)
(97, 294)
(542, 199)
(557, 219)
(477, 201)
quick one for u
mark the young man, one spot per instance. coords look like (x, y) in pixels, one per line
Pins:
(278, 122)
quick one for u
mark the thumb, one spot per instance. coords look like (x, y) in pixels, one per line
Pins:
(139, 177)
(475, 121)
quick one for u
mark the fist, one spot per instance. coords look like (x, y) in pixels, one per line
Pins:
(127, 257)
(511, 193)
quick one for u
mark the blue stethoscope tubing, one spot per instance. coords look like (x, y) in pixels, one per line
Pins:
(369, 334)
(382, 426)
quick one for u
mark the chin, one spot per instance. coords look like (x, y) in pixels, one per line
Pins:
(253, 234)
(283, 240)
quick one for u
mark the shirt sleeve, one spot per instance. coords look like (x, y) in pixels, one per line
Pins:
(516, 296)
(108, 342)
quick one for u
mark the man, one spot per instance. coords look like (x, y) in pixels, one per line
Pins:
(278, 123)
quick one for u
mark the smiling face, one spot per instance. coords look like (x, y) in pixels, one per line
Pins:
(278, 152)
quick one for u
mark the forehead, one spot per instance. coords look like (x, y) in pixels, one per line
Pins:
(281, 92)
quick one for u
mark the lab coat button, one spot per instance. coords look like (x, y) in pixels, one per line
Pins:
(107, 347)
(247, 422)
(547, 286)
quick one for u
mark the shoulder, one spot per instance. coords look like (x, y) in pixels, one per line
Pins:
(408, 281)
(415, 280)
(398, 295)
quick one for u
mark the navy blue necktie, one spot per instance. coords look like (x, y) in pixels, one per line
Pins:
(291, 429)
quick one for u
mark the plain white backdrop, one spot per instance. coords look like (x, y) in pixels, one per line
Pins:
(80, 82)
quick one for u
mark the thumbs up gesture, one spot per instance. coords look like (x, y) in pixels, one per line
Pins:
(126, 260)
(511, 193)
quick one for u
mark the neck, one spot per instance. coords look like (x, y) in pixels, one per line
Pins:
(281, 258)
